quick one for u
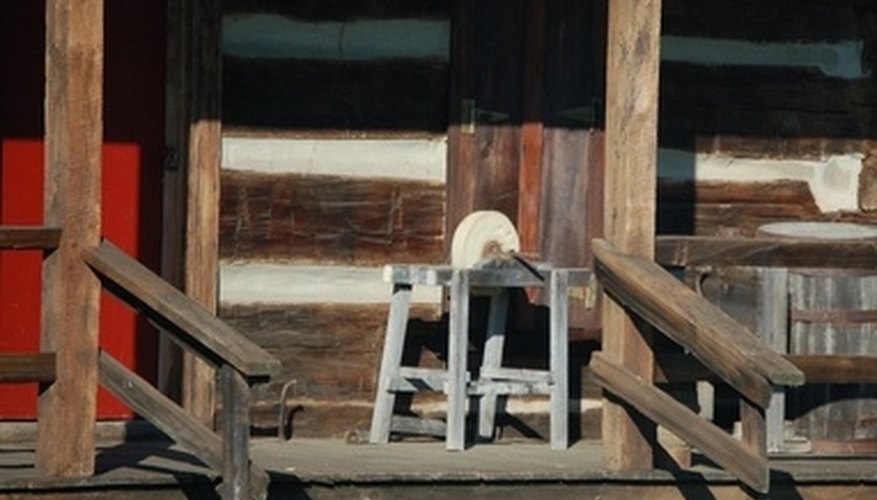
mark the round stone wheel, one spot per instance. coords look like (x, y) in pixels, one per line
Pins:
(481, 234)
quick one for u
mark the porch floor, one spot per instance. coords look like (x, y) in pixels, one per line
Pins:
(334, 469)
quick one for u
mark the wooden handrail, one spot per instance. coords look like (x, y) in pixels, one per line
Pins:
(721, 344)
(29, 237)
(727, 348)
(764, 252)
(194, 326)
(27, 367)
(661, 408)
(169, 418)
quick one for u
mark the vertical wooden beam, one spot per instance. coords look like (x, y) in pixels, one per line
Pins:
(633, 57)
(71, 293)
(202, 202)
(235, 435)
(530, 170)
(170, 356)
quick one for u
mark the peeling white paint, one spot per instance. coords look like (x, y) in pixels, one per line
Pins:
(272, 283)
(841, 59)
(834, 182)
(411, 159)
(274, 36)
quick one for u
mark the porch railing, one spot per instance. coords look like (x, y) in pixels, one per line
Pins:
(28, 367)
(722, 345)
(240, 362)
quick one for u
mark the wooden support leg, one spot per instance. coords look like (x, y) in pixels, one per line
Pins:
(559, 360)
(493, 349)
(391, 360)
(754, 434)
(458, 344)
(236, 435)
(773, 327)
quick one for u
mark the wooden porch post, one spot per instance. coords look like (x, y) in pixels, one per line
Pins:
(633, 57)
(202, 149)
(71, 292)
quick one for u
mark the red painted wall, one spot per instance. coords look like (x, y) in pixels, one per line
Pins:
(131, 196)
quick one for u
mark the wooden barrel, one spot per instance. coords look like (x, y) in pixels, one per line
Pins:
(832, 311)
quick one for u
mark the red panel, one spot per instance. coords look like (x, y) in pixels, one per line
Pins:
(21, 202)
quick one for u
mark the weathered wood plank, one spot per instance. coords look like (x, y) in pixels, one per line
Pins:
(727, 347)
(172, 420)
(768, 252)
(729, 453)
(834, 369)
(24, 367)
(71, 294)
(200, 329)
(632, 68)
(330, 219)
(236, 481)
(26, 237)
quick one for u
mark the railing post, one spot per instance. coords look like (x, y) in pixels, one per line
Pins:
(235, 434)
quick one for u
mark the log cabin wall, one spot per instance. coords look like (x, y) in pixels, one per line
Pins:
(767, 114)
(334, 153)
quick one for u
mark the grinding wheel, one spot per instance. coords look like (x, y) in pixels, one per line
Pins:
(480, 235)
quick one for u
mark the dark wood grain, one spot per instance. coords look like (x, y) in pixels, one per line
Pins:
(26, 237)
(24, 367)
(330, 219)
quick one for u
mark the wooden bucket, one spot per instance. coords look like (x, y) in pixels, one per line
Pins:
(832, 311)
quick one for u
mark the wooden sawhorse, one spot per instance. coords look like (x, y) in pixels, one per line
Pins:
(494, 380)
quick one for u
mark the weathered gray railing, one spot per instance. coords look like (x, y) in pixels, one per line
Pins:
(721, 344)
(240, 363)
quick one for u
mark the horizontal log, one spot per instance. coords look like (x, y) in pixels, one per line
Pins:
(319, 10)
(702, 100)
(776, 252)
(729, 453)
(722, 344)
(403, 94)
(158, 409)
(766, 21)
(330, 220)
(826, 369)
(785, 192)
(27, 367)
(29, 237)
(817, 369)
(192, 324)
(713, 219)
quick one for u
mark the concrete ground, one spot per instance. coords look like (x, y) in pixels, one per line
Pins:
(336, 469)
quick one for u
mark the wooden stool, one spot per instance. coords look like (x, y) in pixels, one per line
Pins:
(494, 380)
